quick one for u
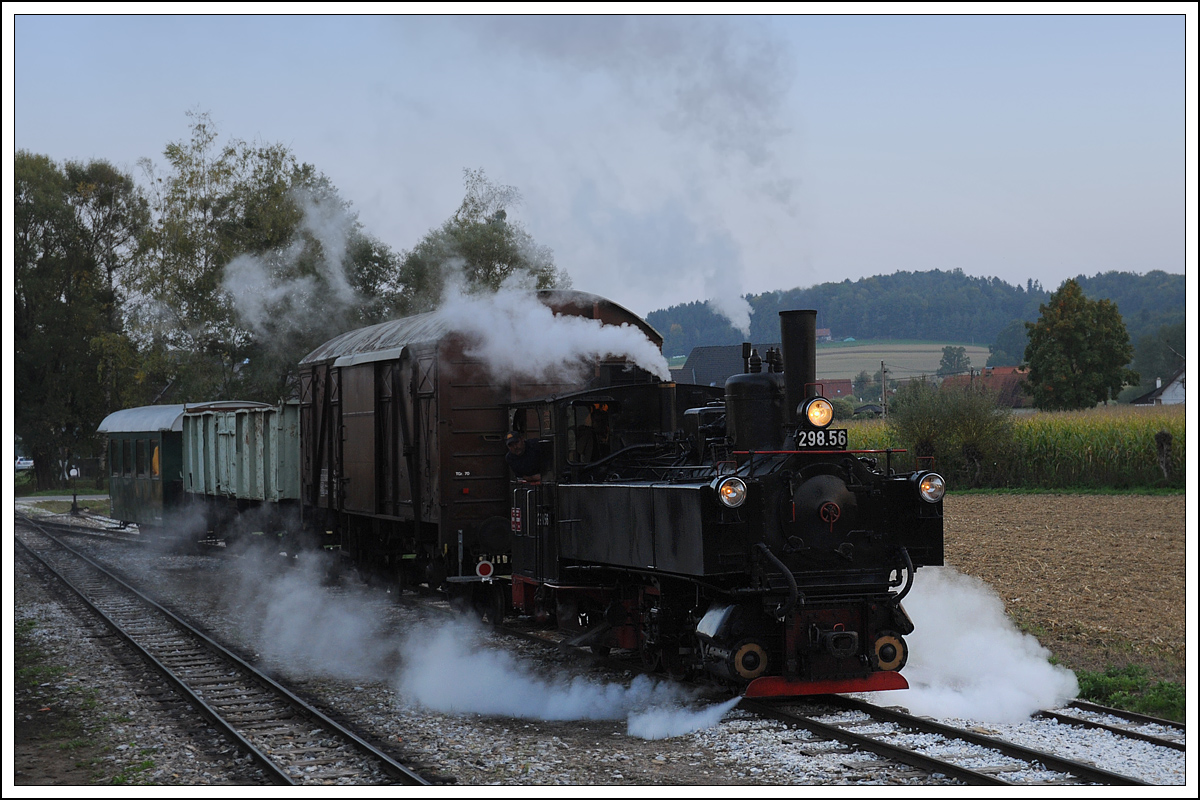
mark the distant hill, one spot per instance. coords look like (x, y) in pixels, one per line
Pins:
(926, 306)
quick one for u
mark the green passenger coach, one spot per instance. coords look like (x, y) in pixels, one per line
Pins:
(145, 459)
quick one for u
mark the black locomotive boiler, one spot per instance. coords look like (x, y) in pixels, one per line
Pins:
(741, 537)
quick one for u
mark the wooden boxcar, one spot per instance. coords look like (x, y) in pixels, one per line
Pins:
(403, 441)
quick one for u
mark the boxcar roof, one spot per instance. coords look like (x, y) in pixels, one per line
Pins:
(145, 418)
(386, 336)
(388, 339)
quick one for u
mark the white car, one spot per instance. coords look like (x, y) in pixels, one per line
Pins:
(24, 463)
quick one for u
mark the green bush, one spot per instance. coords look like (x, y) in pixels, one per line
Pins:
(843, 408)
(963, 429)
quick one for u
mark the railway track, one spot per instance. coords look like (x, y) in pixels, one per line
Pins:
(937, 748)
(1165, 733)
(293, 742)
(99, 529)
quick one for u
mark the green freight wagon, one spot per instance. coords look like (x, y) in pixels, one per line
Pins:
(241, 466)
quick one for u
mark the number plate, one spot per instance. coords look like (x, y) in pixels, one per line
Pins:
(828, 439)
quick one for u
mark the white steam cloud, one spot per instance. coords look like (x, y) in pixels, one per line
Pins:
(723, 288)
(967, 658)
(269, 293)
(303, 625)
(517, 336)
(447, 670)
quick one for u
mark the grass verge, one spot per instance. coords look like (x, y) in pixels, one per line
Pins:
(26, 486)
(1131, 688)
(64, 506)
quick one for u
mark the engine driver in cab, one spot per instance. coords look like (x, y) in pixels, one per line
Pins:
(524, 457)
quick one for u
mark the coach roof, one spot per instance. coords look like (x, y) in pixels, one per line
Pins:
(143, 419)
(166, 417)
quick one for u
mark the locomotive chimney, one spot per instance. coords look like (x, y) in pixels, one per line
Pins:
(798, 332)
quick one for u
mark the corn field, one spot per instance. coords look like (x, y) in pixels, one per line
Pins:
(1113, 447)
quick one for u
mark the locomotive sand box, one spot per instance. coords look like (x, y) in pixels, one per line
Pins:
(727, 533)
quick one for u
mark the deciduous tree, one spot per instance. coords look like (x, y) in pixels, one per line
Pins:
(253, 259)
(962, 429)
(477, 248)
(1078, 351)
(75, 229)
(954, 361)
(1009, 348)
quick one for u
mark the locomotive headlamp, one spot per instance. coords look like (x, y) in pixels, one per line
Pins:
(732, 492)
(931, 486)
(818, 411)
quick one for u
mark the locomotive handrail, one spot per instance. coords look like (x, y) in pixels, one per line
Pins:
(801, 452)
(908, 566)
(589, 466)
(753, 453)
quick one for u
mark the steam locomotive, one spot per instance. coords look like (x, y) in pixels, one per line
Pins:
(731, 533)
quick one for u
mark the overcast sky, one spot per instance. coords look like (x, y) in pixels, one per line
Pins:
(671, 159)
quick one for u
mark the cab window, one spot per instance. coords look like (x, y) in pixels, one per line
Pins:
(589, 431)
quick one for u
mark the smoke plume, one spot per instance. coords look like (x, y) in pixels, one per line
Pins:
(301, 624)
(734, 308)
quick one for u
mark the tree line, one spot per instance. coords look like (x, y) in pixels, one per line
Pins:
(211, 276)
(947, 306)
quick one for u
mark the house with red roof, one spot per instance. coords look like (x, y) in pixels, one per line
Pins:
(1006, 382)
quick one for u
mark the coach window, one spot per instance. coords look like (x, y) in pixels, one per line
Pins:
(154, 461)
(127, 457)
(114, 458)
(141, 458)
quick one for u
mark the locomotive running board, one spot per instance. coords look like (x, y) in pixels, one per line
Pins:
(776, 686)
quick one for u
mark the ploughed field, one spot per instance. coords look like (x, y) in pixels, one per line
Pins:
(1099, 580)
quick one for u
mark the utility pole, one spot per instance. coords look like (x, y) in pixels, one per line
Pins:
(883, 387)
